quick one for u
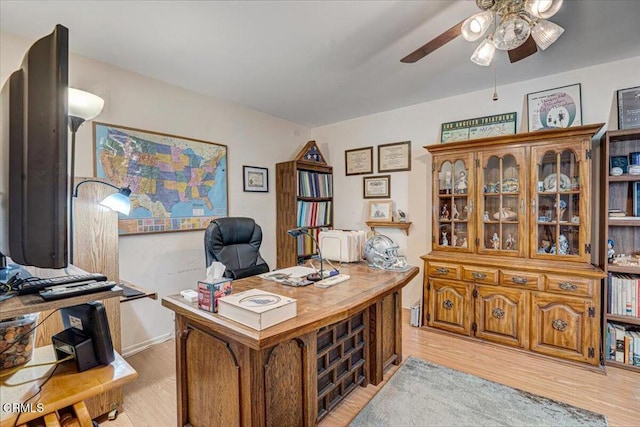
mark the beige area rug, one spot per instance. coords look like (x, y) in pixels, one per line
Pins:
(424, 394)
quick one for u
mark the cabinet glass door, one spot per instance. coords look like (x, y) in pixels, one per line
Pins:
(452, 215)
(559, 203)
(501, 209)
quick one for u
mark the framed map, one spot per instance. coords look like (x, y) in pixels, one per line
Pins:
(177, 183)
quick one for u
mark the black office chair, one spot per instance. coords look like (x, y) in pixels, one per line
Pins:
(235, 242)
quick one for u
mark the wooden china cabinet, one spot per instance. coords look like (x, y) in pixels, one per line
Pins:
(511, 258)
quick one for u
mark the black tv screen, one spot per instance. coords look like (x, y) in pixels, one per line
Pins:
(33, 156)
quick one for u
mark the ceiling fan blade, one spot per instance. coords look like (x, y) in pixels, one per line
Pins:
(528, 48)
(434, 44)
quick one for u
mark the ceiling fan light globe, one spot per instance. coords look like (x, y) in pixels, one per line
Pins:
(511, 33)
(475, 26)
(545, 33)
(483, 55)
(543, 9)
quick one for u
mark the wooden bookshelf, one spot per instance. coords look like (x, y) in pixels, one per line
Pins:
(617, 192)
(311, 164)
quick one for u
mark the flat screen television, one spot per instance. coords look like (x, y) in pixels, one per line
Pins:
(33, 156)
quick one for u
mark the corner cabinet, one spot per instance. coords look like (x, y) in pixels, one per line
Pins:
(620, 213)
(304, 198)
(511, 259)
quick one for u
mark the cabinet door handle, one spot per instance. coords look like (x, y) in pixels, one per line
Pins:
(522, 206)
(559, 325)
(442, 270)
(519, 280)
(533, 205)
(568, 286)
(498, 313)
(448, 304)
(478, 276)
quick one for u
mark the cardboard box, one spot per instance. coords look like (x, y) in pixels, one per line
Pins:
(257, 309)
(210, 293)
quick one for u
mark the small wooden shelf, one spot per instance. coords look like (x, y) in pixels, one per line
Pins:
(624, 178)
(623, 319)
(390, 224)
(144, 293)
(624, 221)
(613, 268)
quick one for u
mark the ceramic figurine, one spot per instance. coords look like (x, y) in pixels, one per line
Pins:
(461, 183)
(495, 241)
(510, 243)
(402, 217)
(485, 217)
(445, 241)
(454, 212)
(610, 252)
(464, 242)
(454, 239)
(444, 214)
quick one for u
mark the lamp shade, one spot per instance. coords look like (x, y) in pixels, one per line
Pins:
(475, 26)
(84, 105)
(119, 201)
(511, 33)
(543, 9)
(545, 33)
(483, 55)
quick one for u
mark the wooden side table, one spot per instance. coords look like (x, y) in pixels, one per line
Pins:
(63, 395)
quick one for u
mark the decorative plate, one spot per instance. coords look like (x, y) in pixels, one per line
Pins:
(551, 182)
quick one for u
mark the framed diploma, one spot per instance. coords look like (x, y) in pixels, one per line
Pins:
(376, 187)
(629, 108)
(394, 157)
(358, 161)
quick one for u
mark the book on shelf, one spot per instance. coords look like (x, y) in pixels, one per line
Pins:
(623, 344)
(623, 294)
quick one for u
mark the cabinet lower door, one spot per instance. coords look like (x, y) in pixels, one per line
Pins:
(562, 327)
(501, 315)
(449, 306)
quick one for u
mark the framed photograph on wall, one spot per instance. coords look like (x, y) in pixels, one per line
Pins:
(358, 161)
(479, 127)
(555, 108)
(629, 108)
(394, 157)
(376, 187)
(255, 179)
(380, 210)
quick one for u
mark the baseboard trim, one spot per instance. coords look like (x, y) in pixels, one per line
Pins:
(137, 348)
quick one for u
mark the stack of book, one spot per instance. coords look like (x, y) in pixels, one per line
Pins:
(623, 344)
(623, 294)
(617, 213)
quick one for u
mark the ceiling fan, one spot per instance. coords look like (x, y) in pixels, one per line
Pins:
(521, 27)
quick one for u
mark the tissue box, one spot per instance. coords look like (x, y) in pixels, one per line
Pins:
(209, 293)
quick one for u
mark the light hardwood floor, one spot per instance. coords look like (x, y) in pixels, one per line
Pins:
(151, 399)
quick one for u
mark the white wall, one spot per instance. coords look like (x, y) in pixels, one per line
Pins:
(411, 191)
(168, 263)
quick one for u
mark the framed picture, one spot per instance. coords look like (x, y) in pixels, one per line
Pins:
(394, 157)
(255, 179)
(636, 198)
(629, 108)
(480, 127)
(621, 162)
(376, 187)
(177, 183)
(358, 161)
(555, 108)
(380, 210)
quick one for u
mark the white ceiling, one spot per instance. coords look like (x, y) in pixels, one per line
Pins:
(316, 62)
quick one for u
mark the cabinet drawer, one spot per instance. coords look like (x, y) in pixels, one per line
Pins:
(443, 270)
(569, 286)
(521, 279)
(480, 275)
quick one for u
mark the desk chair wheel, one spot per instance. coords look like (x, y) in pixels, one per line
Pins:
(112, 415)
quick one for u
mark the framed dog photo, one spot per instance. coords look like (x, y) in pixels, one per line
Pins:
(255, 179)
(380, 210)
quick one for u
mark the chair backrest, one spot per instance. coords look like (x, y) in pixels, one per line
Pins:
(235, 242)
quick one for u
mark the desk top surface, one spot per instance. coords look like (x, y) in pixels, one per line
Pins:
(66, 387)
(317, 307)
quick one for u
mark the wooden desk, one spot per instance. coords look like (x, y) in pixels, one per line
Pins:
(294, 372)
(67, 387)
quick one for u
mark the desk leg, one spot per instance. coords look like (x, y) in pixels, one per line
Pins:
(385, 335)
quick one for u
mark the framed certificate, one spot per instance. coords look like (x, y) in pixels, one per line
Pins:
(358, 161)
(376, 187)
(629, 108)
(394, 157)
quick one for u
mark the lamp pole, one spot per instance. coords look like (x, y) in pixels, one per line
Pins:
(300, 231)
